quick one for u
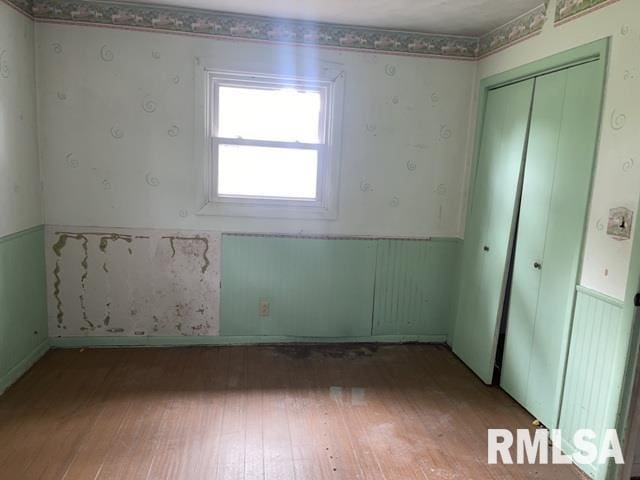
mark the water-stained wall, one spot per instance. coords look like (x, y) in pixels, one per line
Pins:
(132, 282)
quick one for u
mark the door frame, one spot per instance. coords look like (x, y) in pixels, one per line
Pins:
(628, 418)
(597, 50)
(589, 52)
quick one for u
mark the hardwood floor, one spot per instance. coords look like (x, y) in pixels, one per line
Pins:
(249, 412)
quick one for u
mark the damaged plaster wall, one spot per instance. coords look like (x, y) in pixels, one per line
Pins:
(128, 282)
(117, 129)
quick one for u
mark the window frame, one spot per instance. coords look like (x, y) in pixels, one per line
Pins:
(216, 81)
(329, 82)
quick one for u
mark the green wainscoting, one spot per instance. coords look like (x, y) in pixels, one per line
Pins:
(357, 289)
(315, 287)
(415, 289)
(23, 310)
(595, 370)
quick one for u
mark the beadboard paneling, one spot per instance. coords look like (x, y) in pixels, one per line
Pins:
(23, 311)
(315, 287)
(327, 287)
(415, 286)
(595, 369)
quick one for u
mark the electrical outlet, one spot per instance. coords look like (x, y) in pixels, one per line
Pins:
(264, 308)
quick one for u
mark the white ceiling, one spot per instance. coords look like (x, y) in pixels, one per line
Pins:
(461, 17)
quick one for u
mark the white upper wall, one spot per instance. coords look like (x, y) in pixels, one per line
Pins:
(107, 162)
(617, 177)
(20, 191)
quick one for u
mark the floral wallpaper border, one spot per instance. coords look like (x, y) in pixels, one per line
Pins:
(23, 6)
(248, 27)
(568, 9)
(268, 29)
(518, 29)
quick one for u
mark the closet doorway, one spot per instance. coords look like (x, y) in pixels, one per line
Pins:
(526, 222)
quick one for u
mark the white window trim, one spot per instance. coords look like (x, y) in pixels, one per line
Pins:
(329, 80)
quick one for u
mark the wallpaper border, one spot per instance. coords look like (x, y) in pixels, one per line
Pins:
(567, 10)
(22, 6)
(249, 27)
(204, 23)
(518, 29)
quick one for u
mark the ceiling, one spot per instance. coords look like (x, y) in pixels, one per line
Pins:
(459, 17)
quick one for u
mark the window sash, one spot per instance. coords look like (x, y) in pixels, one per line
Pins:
(321, 151)
(269, 83)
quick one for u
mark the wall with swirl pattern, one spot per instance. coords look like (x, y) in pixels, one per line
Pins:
(117, 120)
(20, 200)
(23, 328)
(617, 177)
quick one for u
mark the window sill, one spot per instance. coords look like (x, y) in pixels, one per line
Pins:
(267, 211)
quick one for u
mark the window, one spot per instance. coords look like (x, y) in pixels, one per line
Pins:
(272, 144)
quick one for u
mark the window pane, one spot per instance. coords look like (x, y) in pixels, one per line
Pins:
(267, 172)
(284, 115)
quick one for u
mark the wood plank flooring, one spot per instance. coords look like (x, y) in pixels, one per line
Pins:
(257, 412)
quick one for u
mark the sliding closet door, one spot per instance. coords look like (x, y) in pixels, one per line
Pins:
(557, 179)
(489, 226)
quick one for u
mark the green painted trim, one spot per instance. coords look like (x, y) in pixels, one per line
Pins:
(77, 342)
(598, 49)
(21, 368)
(589, 52)
(600, 296)
(21, 233)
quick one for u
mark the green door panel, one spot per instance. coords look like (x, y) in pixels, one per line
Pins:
(546, 117)
(489, 225)
(564, 130)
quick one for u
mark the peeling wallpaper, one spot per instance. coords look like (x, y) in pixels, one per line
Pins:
(20, 191)
(123, 282)
(617, 177)
(117, 116)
